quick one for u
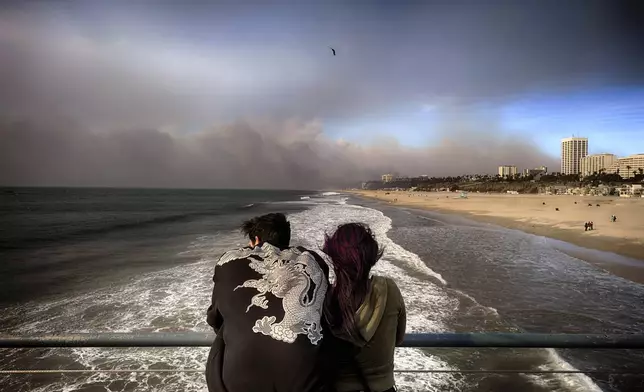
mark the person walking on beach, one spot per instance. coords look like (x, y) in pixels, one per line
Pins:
(586, 226)
(266, 310)
(365, 315)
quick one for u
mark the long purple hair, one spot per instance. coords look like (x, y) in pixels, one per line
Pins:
(354, 251)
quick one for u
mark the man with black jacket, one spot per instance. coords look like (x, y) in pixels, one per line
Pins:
(266, 311)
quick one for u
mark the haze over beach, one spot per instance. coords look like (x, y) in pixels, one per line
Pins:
(197, 95)
(136, 136)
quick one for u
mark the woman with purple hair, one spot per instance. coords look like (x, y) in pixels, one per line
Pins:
(365, 314)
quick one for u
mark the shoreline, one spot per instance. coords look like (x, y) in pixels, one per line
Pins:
(526, 217)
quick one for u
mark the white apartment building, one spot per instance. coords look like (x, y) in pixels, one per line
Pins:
(537, 170)
(628, 166)
(507, 171)
(596, 163)
(572, 150)
(387, 177)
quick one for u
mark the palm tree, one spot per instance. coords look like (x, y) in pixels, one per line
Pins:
(641, 170)
(628, 170)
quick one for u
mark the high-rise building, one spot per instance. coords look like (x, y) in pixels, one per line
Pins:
(628, 166)
(507, 171)
(572, 150)
(387, 177)
(596, 163)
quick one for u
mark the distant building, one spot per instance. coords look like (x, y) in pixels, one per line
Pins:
(388, 177)
(631, 190)
(508, 171)
(541, 170)
(573, 149)
(596, 163)
(628, 166)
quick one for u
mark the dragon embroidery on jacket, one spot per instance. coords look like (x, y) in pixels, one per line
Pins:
(292, 276)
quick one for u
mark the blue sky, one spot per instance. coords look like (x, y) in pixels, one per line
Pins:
(612, 119)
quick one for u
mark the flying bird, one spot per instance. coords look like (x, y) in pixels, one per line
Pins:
(333, 50)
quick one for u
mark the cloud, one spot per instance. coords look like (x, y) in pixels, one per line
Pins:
(427, 108)
(131, 65)
(163, 74)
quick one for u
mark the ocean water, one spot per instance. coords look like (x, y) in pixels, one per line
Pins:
(105, 260)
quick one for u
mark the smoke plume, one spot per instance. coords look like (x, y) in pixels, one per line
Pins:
(245, 154)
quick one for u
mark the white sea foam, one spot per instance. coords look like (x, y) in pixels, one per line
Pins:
(571, 382)
(330, 193)
(171, 300)
(313, 223)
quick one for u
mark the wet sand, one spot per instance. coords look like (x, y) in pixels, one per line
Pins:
(528, 213)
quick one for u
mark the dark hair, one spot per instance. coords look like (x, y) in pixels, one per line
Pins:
(272, 228)
(354, 251)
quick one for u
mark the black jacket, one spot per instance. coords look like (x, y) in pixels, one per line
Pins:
(266, 311)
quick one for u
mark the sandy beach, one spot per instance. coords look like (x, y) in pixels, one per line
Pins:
(529, 213)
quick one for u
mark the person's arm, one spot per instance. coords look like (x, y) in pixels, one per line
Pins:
(402, 320)
(214, 318)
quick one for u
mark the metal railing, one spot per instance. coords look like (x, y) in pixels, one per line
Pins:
(423, 340)
(419, 340)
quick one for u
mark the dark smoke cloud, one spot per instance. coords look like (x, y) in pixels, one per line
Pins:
(252, 154)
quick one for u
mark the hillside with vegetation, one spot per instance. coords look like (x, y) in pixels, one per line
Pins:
(518, 183)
